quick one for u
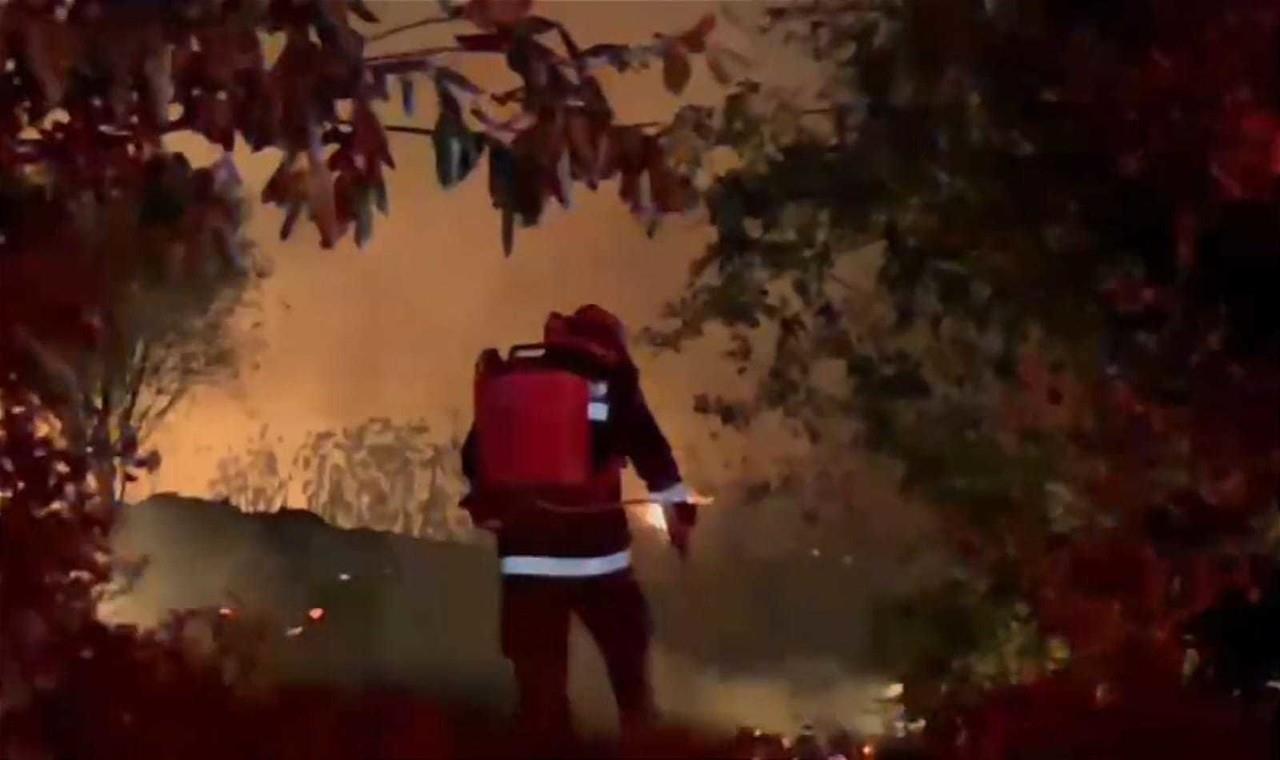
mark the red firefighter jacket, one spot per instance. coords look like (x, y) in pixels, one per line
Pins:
(589, 343)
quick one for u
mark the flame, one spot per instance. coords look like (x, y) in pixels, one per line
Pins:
(653, 516)
(652, 513)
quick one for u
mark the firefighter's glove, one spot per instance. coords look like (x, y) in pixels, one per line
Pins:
(680, 514)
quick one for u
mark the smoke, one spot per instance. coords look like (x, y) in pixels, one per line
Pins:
(779, 697)
(767, 625)
(789, 694)
(192, 555)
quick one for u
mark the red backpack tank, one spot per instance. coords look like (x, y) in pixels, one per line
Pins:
(533, 423)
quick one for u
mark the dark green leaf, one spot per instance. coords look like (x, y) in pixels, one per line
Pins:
(380, 196)
(457, 148)
(364, 215)
(502, 176)
(729, 210)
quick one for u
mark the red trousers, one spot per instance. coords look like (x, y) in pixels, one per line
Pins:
(535, 638)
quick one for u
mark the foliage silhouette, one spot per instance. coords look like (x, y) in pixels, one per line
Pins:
(1021, 257)
(118, 259)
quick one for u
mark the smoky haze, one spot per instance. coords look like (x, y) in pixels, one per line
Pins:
(766, 626)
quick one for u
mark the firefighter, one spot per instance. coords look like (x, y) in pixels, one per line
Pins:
(569, 555)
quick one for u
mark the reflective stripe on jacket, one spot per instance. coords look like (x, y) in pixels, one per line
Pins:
(566, 567)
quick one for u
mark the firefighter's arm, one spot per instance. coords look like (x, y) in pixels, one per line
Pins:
(645, 445)
(483, 513)
(651, 455)
(469, 456)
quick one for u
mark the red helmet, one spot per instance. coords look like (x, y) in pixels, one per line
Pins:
(591, 327)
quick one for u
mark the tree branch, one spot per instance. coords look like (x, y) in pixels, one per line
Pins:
(429, 21)
(408, 55)
(788, 11)
(407, 129)
(135, 384)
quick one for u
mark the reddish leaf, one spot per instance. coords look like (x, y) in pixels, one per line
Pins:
(508, 231)
(695, 40)
(344, 197)
(584, 145)
(503, 170)
(489, 43)
(561, 179)
(537, 151)
(672, 193)
(629, 149)
(292, 212)
(676, 69)
(362, 12)
(282, 184)
(497, 14)
(608, 155)
(723, 61)
(368, 138)
(320, 200)
(547, 140)
(295, 80)
(718, 70)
